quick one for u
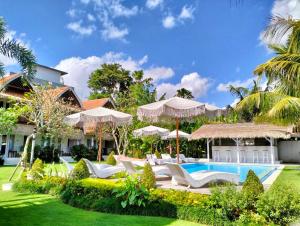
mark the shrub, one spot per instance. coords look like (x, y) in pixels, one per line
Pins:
(79, 151)
(47, 154)
(37, 170)
(138, 154)
(133, 193)
(157, 154)
(280, 205)
(47, 185)
(251, 219)
(148, 177)
(111, 159)
(253, 185)
(80, 171)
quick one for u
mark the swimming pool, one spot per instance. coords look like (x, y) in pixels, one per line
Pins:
(262, 171)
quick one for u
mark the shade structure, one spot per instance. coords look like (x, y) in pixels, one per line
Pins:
(97, 117)
(173, 135)
(175, 108)
(150, 131)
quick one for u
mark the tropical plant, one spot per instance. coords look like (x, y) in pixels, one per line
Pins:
(8, 119)
(148, 177)
(133, 193)
(17, 51)
(184, 93)
(281, 104)
(111, 159)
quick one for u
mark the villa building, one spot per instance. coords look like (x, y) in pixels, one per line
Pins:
(13, 87)
(250, 143)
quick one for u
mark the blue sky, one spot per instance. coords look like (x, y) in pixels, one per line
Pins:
(201, 45)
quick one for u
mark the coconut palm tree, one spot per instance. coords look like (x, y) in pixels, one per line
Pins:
(184, 93)
(282, 103)
(15, 50)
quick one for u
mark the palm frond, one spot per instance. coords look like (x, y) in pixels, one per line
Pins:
(287, 108)
(26, 59)
(2, 28)
(239, 92)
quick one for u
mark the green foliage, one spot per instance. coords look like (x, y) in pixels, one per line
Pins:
(157, 154)
(37, 170)
(81, 151)
(251, 219)
(178, 198)
(47, 185)
(111, 159)
(80, 171)
(47, 154)
(280, 205)
(138, 154)
(14, 49)
(184, 93)
(252, 188)
(148, 177)
(8, 119)
(133, 193)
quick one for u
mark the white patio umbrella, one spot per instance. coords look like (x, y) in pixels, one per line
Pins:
(175, 108)
(173, 135)
(97, 117)
(151, 131)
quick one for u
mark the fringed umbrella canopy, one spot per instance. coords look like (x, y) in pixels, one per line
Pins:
(150, 131)
(174, 107)
(99, 115)
(96, 118)
(172, 135)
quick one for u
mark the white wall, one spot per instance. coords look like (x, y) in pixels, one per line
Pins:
(289, 151)
(47, 74)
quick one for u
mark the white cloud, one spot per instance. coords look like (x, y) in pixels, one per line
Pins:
(81, 30)
(90, 17)
(169, 21)
(223, 87)
(159, 73)
(71, 13)
(152, 4)
(79, 69)
(186, 13)
(282, 8)
(194, 82)
(110, 31)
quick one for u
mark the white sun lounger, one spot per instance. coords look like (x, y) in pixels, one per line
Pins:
(102, 171)
(198, 179)
(158, 170)
(185, 159)
(168, 158)
(153, 160)
(67, 164)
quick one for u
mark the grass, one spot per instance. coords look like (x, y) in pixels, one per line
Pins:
(44, 210)
(290, 176)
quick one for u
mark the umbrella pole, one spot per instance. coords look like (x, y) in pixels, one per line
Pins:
(177, 139)
(100, 143)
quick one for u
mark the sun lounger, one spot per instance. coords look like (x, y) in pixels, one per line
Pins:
(198, 179)
(158, 170)
(185, 159)
(168, 158)
(102, 171)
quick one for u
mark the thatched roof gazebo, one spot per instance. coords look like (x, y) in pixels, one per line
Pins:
(240, 131)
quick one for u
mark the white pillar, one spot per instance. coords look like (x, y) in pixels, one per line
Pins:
(272, 150)
(207, 147)
(7, 146)
(237, 150)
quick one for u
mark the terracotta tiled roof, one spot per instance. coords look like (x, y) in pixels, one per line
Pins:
(7, 78)
(90, 104)
(58, 91)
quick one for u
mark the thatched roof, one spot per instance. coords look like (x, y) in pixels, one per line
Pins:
(242, 130)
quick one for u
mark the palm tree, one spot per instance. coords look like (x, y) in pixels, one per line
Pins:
(15, 50)
(282, 103)
(184, 93)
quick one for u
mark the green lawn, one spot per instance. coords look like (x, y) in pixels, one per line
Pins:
(45, 210)
(290, 176)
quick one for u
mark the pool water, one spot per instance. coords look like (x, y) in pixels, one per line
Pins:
(263, 172)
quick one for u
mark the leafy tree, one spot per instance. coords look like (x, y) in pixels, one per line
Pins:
(15, 50)
(184, 93)
(281, 104)
(110, 79)
(8, 120)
